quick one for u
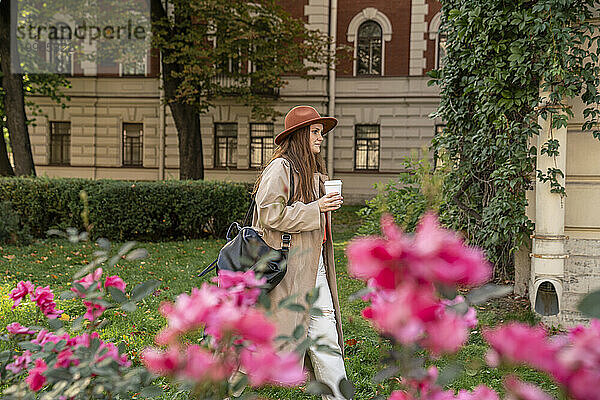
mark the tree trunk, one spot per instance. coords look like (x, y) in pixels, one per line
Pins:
(14, 100)
(186, 117)
(5, 167)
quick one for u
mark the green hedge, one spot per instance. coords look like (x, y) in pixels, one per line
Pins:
(125, 210)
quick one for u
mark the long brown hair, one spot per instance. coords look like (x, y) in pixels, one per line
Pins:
(296, 149)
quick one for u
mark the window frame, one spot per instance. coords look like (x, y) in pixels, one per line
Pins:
(140, 145)
(53, 135)
(381, 50)
(262, 143)
(356, 140)
(216, 158)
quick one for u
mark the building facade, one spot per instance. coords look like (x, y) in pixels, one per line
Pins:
(115, 127)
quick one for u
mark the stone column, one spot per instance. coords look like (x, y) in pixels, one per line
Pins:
(548, 256)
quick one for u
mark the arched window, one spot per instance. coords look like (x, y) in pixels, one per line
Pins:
(368, 31)
(368, 54)
(440, 40)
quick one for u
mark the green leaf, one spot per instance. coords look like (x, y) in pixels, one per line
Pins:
(117, 295)
(317, 312)
(590, 305)
(295, 307)
(26, 345)
(298, 332)
(67, 295)
(386, 373)
(137, 254)
(151, 391)
(312, 296)
(144, 289)
(346, 388)
(487, 292)
(77, 323)
(130, 306)
(55, 324)
(318, 388)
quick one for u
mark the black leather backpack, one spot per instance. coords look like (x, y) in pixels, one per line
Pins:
(248, 251)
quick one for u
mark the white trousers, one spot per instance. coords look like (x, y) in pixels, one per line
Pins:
(329, 368)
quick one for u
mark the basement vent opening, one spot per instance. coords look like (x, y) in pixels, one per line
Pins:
(546, 300)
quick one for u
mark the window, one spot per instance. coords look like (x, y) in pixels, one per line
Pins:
(366, 147)
(441, 51)
(225, 145)
(60, 143)
(60, 51)
(368, 56)
(132, 144)
(262, 144)
(135, 66)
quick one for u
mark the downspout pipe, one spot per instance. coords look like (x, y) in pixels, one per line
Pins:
(331, 82)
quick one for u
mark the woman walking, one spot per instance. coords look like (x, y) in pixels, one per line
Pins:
(308, 220)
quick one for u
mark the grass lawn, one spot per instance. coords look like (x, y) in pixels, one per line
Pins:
(175, 264)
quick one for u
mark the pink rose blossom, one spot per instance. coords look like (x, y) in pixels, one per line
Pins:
(88, 281)
(160, 362)
(446, 334)
(230, 279)
(20, 362)
(115, 281)
(400, 395)
(17, 329)
(93, 310)
(266, 366)
(202, 365)
(520, 343)
(254, 326)
(36, 378)
(44, 298)
(440, 255)
(481, 392)
(22, 290)
(65, 359)
(189, 312)
(519, 390)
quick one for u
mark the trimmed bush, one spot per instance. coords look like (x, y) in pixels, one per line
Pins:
(125, 210)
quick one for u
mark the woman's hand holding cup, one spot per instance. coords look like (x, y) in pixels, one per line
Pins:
(330, 202)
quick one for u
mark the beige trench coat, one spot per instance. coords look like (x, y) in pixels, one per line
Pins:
(306, 224)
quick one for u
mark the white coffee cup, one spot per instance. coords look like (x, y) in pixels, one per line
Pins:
(333, 186)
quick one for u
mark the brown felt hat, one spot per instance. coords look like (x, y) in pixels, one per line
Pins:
(301, 116)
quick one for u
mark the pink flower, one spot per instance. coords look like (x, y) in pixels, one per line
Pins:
(93, 310)
(520, 343)
(65, 359)
(519, 390)
(254, 326)
(231, 279)
(36, 378)
(44, 337)
(21, 362)
(202, 365)
(481, 392)
(470, 317)
(15, 328)
(403, 312)
(400, 395)
(446, 334)
(88, 280)
(266, 366)
(160, 362)
(440, 255)
(115, 281)
(22, 290)
(189, 312)
(109, 350)
(44, 298)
